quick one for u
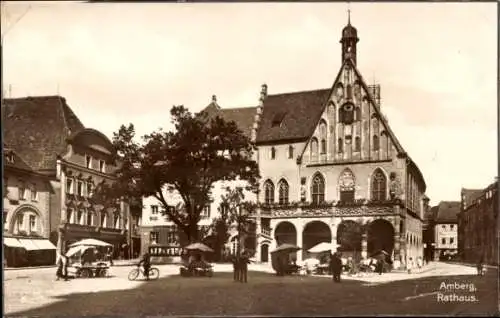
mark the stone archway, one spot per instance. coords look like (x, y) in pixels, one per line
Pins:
(314, 232)
(349, 237)
(285, 233)
(380, 236)
(26, 226)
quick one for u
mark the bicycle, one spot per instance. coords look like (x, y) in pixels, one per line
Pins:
(154, 273)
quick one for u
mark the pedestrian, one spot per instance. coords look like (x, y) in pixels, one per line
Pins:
(244, 261)
(480, 266)
(60, 265)
(336, 267)
(419, 263)
(236, 268)
(409, 265)
(380, 266)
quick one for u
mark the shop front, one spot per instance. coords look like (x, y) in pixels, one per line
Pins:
(26, 251)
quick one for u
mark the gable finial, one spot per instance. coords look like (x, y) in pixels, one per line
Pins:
(348, 13)
(214, 99)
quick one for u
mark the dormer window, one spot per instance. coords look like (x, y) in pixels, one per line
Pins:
(278, 119)
(9, 157)
(154, 209)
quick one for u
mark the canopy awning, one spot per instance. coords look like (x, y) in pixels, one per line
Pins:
(37, 245)
(44, 245)
(90, 242)
(12, 242)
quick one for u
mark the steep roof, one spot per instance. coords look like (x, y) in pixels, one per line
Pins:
(37, 128)
(13, 160)
(242, 116)
(448, 211)
(469, 196)
(291, 116)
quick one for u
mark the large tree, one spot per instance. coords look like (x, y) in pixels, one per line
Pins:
(198, 152)
(236, 211)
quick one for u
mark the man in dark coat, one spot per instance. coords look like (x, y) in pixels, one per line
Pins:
(243, 267)
(336, 267)
(236, 267)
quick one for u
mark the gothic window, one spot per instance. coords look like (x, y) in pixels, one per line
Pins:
(318, 189)
(273, 153)
(376, 143)
(379, 185)
(117, 221)
(80, 217)
(322, 132)
(283, 192)
(268, 192)
(347, 186)
(357, 113)
(357, 144)
(340, 145)
(314, 148)
(290, 152)
(349, 88)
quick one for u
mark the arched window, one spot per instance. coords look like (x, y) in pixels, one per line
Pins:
(376, 144)
(379, 185)
(357, 144)
(283, 191)
(340, 145)
(268, 192)
(357, 113)
(323, 133)
(318, 189)
(314, 148)
(347, 186)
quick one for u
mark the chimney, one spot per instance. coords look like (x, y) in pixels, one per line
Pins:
(257, 118)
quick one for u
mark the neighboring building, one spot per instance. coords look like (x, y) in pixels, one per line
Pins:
(446, 230)
(332, 168)
(26, 214)
(428, 230)
(46, 133)
(479, 225)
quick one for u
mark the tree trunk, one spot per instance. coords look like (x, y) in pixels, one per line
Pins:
(192, 233)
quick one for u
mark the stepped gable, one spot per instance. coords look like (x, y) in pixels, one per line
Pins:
(37, 128)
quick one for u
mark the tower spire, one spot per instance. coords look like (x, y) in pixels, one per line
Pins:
(348, 13)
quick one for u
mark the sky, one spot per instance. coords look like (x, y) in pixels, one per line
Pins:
(130, 63)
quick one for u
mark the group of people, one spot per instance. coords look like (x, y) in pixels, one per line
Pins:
(240, 267)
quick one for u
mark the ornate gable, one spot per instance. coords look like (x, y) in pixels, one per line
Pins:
(351, 127)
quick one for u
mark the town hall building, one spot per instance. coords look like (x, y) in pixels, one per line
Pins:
(332, 170)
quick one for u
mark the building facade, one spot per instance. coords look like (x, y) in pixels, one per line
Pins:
(27, 219)
(161, 236)
(446, 230)
(333, 170)
(479, 225)
(74, 159)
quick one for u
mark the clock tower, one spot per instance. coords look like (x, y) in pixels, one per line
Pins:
(349, 41)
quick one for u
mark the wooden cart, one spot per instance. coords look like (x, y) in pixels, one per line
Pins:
(91, 270)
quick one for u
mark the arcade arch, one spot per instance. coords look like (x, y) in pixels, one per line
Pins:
(314, 232)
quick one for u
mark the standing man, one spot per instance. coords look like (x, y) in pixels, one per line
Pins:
(236, 267)
(244, 261)
(336, 267)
